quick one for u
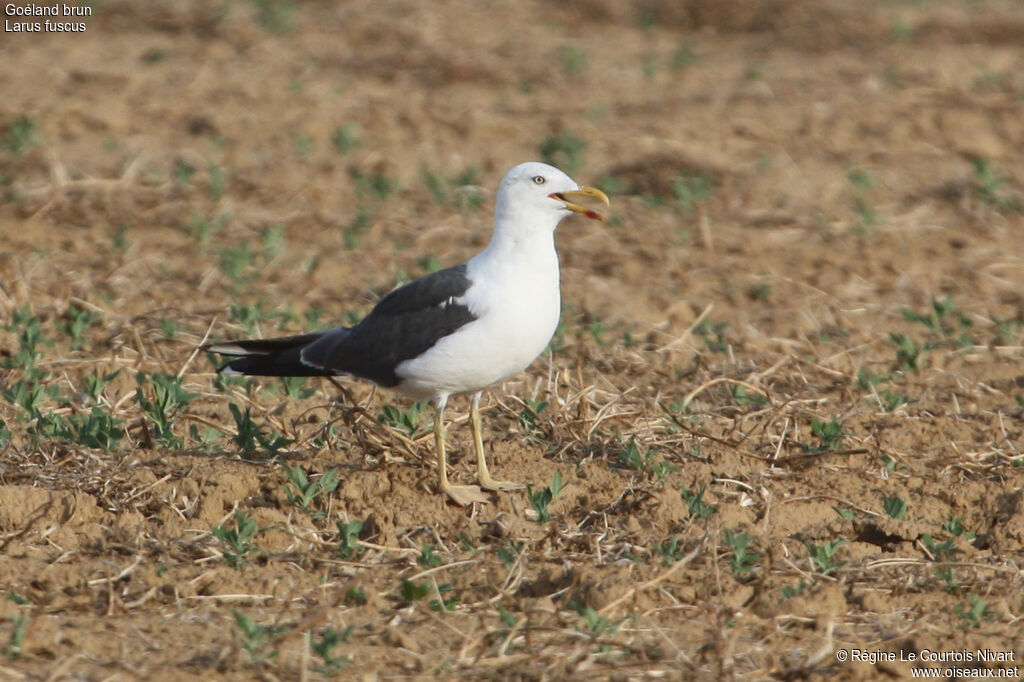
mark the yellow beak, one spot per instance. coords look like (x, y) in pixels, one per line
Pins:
(594, 193)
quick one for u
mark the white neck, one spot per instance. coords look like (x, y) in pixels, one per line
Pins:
(521, 231)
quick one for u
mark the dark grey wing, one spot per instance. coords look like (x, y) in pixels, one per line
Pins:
(404, 324)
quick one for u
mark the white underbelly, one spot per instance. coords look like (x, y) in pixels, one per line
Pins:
(501, 343)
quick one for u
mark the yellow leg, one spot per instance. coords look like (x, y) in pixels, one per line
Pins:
(460, 494)
(483, 475)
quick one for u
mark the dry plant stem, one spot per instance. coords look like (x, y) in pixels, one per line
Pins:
(721, 380)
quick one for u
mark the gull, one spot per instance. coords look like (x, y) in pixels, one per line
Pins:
(456, 331)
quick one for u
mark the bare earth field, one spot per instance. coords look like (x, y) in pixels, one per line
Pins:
(786, 403)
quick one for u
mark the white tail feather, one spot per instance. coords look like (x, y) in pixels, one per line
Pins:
(228, 348)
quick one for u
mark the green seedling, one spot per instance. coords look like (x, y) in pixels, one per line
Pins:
(348, 542)
(683, 56)
(867, 216)
(427, 557)
(303, 490)
(860, 178)
(907, 352)
(943, 321)
(169, 397)
(75, 322)
(250, 438)
(1007, 331)
(236, 262)
(443, 604)
(461, 190)
(257, 639)
(976, 611)
(412, 592)
(355, 596)
(119, 238)
(360, 225)
(26, 326)
(895, 507)
(888, 462)
(182, 171)
(574, 60)
(275, 16)
(12, 649)
(313, 317)
(30, 396)
(225, 382)
(323, 648)
(466, 543)
(789, 591)
(744, 397)
(596, 624)
(506, 618)
(302, 144)
(508, 554)
(168, 327)
(631, 458)
(530, 417)
(273, 242)
(866, 379)
(847, 514)
(95, 429)
(822, 555)
(829, 434)
(237, 541)
(955, 527)
(345, 138)
(95, 385)
(401, 277)
(375, 185)
(409, 420)
(563, 150)
(596, 329)
(201, 229)
(19, 137)
(891, 401)
(699, 509)
(988, 188)
(296, 388)
(207, 437)
(943, 552)
(429, 264)
(540, 499)
(690, 188)
(671, 550)
(743, 561)
(217, 182)
(251, 315)
(713, 335)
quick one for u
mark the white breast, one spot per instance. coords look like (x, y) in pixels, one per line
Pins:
(516, 299)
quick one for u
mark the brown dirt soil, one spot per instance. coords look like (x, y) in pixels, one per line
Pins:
(808, 303)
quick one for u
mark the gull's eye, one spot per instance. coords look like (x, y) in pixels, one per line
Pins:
(539, 179)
